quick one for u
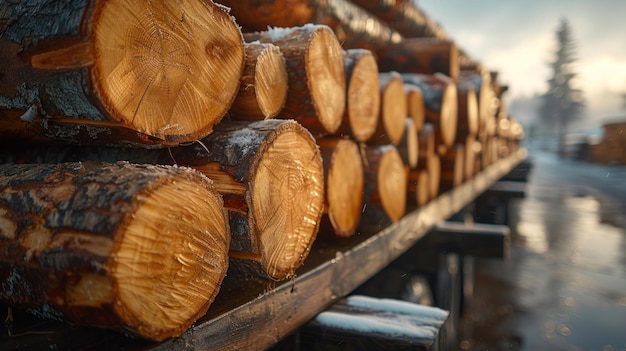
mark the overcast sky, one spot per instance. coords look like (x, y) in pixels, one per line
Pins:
(518, 39)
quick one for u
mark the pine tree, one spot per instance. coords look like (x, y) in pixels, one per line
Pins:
(562, 104)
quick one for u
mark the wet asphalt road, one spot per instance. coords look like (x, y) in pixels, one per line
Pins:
(564, 286)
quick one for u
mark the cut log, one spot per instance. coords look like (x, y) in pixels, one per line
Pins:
(408, 148)
(393, 110)
(115, 72)
(415, 105)
(263, 88)
(426, 145)
(278, 165)
(405, 17)
(433, 166)
(138, 248)
(316, 97)
(271, 176)
(440, 99)
(481, 80)
(452, 168)
(467, 112)
(418, 190)
(360, 118)
(472, 149)
(420, 55)
(343, 176)
(385, 185)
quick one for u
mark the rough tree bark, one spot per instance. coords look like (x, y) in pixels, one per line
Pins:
(115, 72)
(405, 17)
(138, 248)
(355, 28)
(420, 55)
(408, 147)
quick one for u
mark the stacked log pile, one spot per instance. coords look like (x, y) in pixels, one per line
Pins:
(147, 147)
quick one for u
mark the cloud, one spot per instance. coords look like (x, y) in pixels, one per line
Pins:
(603, 73)
(523, 65)
(603, 80)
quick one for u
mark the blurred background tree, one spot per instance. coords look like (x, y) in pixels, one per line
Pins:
(562, 104)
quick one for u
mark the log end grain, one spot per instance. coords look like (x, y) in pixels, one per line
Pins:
(326, 78)
(171, 261)
(468, 113)
(433, 166)
(188, 53)
(287, 201)
(255, 15)
(344, 186)
(415, 105)
(394, 108)
(392, 183)
(264, 83)
(316, 97)
(363, 93)
(448, 115)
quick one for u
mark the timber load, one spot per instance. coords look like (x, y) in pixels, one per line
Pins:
(269, 173)
(117, 72)
(142, 163)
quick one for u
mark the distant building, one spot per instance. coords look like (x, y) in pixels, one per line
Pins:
(612, 148)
